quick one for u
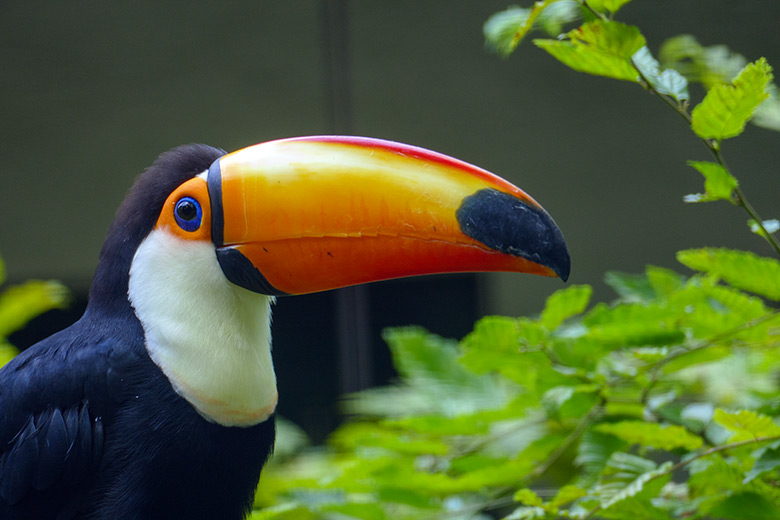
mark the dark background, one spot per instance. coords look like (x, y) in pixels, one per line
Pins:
(91, 92)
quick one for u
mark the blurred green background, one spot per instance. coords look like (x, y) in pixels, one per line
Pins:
(93, 91)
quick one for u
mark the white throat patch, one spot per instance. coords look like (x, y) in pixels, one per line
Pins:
(211, 338)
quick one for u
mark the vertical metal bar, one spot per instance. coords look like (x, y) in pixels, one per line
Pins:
(353, 319)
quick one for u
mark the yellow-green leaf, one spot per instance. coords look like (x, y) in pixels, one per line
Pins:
(726, 108)
(719, 184)
(652, 435)
(566, 495)
(746, 424)
(742, 269)
(564, 304)
(610, 5)
(20, 303)
(527, 497)
(602, 48)
(7, 352)
(506, 29)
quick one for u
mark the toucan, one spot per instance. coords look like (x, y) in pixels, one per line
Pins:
(159, 402)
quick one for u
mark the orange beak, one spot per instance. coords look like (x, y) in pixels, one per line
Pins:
(309, 214)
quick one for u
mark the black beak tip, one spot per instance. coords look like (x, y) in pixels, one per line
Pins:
(506, 223)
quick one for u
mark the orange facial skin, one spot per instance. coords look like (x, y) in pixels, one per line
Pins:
(195, 188)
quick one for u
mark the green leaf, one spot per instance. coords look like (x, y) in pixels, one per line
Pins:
(746, 505)
(719, 184)
(710, 66)
(527, 497)
(594, 450)
(364, 510)
(651, 435)
(7, 352)
(633, 324)
(601, 48)
(566, 495)
(746, 425)
(767, 115)
(563, 402)
(663, 281)
(628, 476)
(20, 303)
(527, 513)
(726, 108)
(506, 29)
(630, 287)
(742, 269)
(769, 460)
(564, 304)
(614, 5)
(771, 226)
(669, 82)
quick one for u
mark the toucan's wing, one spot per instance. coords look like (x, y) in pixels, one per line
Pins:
(54, 399)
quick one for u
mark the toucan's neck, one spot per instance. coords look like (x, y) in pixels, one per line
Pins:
(211, 338)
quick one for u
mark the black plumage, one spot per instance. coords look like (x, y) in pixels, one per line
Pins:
(91, 428)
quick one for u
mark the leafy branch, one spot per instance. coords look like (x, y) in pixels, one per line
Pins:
(609, 48)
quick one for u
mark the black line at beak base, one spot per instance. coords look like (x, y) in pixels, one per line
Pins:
(242, 272)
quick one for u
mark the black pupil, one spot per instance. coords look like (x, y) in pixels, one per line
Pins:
(186, 210)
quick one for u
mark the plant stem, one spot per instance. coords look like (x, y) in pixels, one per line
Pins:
(712, 146)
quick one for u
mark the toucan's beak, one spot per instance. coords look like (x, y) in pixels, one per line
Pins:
(309, 214)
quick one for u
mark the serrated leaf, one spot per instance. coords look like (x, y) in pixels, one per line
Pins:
(630, 287)
(505, 30)
(362, 510)
(767, 115)
(746, 424)
(742, 269)
(494, 333)
(601, 48)
(640, 485)
(564, 304)
(672, 83)
(595, 449)
(615, 5)
(668, 82)
(710, 66)
(726, 108)
(769, 460)
(20, 303)
(771, 226)
(651, 435)
(565, 402)
(663, 281)
(566, 495)
(633, 324)
(527, 497)
(371, 435)
(527, 513)
(719, 184)
(746, 505)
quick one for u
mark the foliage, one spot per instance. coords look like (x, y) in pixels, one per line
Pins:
(21, 303)
(660, 405)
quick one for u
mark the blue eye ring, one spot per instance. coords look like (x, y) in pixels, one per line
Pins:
(188, 214)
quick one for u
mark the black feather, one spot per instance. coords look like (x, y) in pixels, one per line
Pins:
(90, 428)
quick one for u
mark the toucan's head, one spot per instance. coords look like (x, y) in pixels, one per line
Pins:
(309, 214)
(204, 240)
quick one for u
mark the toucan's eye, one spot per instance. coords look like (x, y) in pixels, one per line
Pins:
(188, 214)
